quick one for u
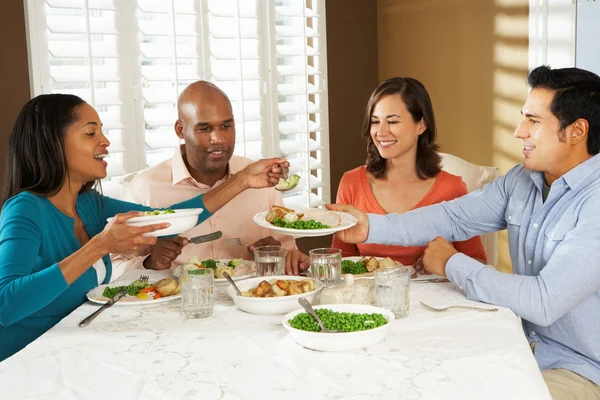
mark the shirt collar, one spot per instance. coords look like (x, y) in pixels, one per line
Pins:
(181, 173)
(573, 177)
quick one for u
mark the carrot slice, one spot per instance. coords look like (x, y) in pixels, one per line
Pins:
(148, 289)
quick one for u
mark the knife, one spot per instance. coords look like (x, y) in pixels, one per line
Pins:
(206, 238)
(90, 318)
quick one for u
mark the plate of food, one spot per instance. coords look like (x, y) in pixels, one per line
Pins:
(311, 222)
(138, 292)
(273, 295)
(181, 220)
(237, 268)
(364, 267)
(362, 326)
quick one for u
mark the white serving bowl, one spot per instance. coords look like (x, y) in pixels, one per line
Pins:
(181, 221)
(271, 305)
(346, 341)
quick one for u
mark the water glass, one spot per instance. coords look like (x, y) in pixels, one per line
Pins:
(326, 265)
(392, 286)
(270, 260)
(197, 298)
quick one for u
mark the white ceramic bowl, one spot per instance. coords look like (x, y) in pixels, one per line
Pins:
(181, 221)
(270, 305)
(347, 341)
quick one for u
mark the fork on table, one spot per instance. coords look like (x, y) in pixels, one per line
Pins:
(430, 308)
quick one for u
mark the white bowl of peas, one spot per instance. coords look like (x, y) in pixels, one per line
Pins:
(363, 326)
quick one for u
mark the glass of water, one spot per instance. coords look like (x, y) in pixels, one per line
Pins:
(197, 298)
(392, 286)
(326, 265)
(270, 260)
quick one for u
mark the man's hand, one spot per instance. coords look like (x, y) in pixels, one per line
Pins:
(266, 241)
(296, 262)
(359, 232)
(164, 252)
(436, 256)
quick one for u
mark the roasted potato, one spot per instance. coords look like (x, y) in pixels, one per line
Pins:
(372, 264)
(280, 288)
(263, 289)
(387, 263)
(166, 287)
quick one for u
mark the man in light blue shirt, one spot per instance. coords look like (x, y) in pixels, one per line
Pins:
(550, 205)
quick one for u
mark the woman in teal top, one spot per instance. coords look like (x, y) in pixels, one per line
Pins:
(53, 224)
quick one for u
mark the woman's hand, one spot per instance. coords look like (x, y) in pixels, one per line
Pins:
(263, 173)
(359, 232)
(118, 237)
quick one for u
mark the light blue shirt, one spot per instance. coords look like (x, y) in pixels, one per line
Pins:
(555, 253)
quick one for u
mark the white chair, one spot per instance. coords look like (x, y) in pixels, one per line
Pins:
(475, 176)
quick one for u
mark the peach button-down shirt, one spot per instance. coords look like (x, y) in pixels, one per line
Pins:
(170, 182)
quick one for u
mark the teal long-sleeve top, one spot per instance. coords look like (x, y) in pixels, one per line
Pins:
(34, 237)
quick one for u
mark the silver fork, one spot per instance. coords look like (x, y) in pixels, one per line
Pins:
(234, 242)
(464, 307)
(144, 279)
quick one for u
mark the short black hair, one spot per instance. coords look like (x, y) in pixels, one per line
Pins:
(36, 160)
(577, 95)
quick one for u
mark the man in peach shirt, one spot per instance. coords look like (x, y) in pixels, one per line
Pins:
(205, 160)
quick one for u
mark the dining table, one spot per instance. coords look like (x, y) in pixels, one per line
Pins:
(151, 351)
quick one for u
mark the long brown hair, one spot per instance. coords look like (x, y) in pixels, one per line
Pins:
(417, 101)
(36, 160)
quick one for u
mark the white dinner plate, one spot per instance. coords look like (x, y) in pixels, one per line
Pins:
(220, 281)
(95, 296)
(181, 221)
(348, 221)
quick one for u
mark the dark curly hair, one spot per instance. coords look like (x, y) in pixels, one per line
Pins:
(417, 101)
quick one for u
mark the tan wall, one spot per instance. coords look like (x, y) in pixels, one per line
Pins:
(472, 57)
(352, 76)
(14, 72)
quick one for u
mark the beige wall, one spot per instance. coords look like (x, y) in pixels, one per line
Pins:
(472, 57)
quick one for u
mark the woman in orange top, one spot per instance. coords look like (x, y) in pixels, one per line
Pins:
(403, 169)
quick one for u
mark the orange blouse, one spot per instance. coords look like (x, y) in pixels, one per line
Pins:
(355, 190)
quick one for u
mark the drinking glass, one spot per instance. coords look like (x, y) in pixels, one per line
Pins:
(197, 298)
(326, 265)
(392, 287)
(270, 260)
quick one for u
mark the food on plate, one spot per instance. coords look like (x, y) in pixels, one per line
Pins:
(366, 264)
(288, 184)
(145, 291)
(343, 321)
(280, 287)
(235, 267)
(160, 212)
(313, 218)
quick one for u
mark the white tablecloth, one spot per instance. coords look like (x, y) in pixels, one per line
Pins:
(152, 352)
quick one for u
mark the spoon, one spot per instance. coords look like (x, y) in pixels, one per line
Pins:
(237, 289)
(304, 303)
(287, 187)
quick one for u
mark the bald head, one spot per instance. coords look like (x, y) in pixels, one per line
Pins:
(200, 92)
(205, 123)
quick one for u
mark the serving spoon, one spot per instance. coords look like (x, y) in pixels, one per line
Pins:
(304, 303)
(285, 177)
(237, 289)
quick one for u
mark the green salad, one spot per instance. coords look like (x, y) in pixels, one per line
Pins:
(132, 290)
(343, 321)
(160, 212)
(300, 224)
(354, 268)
